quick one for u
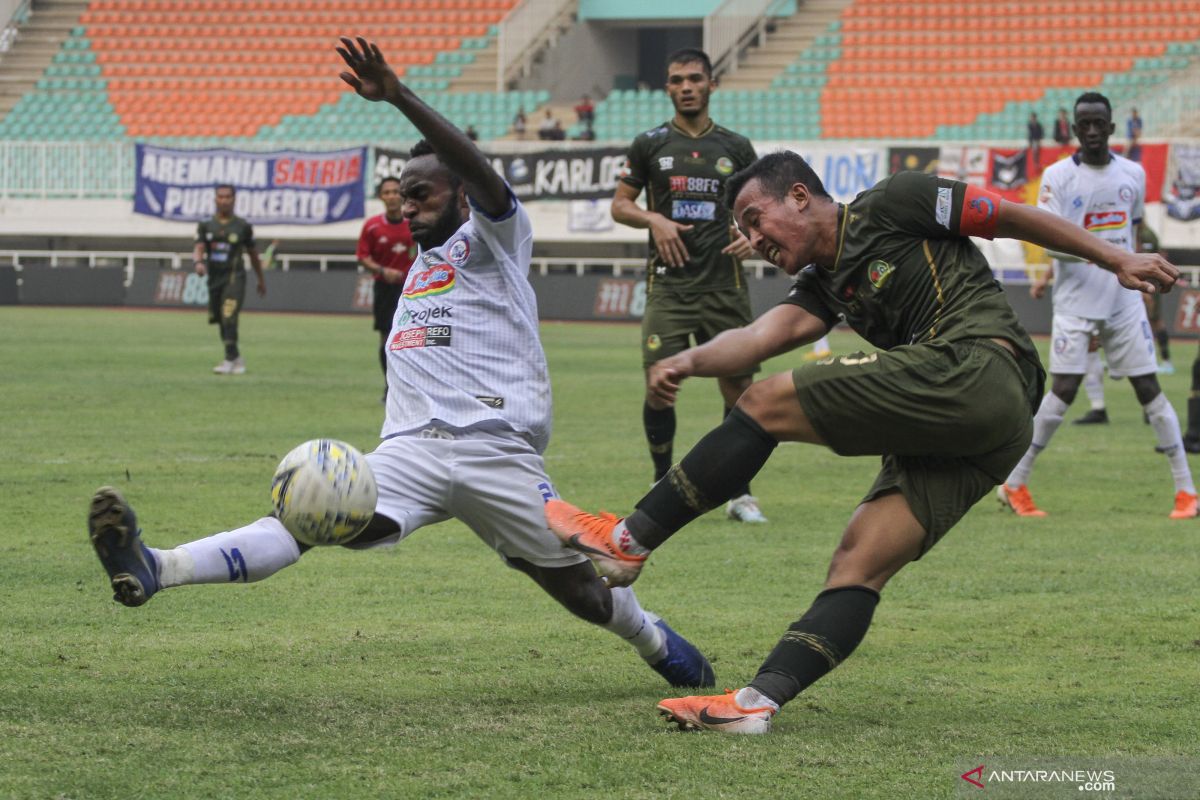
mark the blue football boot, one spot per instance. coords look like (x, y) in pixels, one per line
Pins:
(115, 535)
(683, 665)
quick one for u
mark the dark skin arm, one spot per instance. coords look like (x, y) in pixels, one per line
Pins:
(374, 80)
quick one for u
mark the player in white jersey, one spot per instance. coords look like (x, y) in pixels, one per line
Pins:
(1104, 193)
(468, 406)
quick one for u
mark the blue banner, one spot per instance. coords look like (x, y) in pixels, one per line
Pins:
(282, 188)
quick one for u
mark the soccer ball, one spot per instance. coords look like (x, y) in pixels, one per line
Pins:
(324, 492)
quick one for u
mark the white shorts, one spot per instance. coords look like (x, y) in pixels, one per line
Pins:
(1126, 338)
(494, 483)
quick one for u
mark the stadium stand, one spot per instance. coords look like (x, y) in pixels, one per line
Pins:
(185, 73)
(170, 70)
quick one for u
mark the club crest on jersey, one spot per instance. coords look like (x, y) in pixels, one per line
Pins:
(653, 342)
(233, 237)
(1104, 221)
(459, 251)
(724, 165)
(429, 283)
(1125, 193)
(878, 273)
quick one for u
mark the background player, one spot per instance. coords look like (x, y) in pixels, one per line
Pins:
(946, 400)
(386, 249)
(695, 287)
(1104, 193)
(468, 408)
(220, 243)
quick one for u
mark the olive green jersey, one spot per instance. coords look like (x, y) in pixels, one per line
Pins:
(906, 271)
(684, 178)
(224, 243)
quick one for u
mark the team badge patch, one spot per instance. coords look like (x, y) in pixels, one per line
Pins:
(459, 251)
(428, 283)
(879, 272)
(724, 165)
(653, 342)
(233, 237)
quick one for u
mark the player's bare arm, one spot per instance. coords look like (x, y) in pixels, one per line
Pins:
(374, 80)
(198, 262)
(1037, 289)
(1146, 272)
(665, 232)
(256, 263)
(783, 328)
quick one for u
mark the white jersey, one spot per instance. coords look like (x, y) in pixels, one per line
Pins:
(464, 347)
(1108, 201)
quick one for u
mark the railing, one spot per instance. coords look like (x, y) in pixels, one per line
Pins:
(522, 32)
(1172, 110)
(730, 28)
(543, 265)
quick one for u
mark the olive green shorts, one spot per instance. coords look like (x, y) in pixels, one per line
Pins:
(951, 420)
(225, 298)
(674, 321)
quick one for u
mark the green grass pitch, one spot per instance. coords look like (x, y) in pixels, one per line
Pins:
(430, 670)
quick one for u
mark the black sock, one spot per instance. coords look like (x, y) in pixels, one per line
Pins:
(816, 643)
(660, 433)
(383, 358)
(1164, 344)
(231, 351)
(723, 460)
(1193, 419)
(1196, 376)
(744, 489)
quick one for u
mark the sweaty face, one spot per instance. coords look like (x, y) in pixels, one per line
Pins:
(688, 87)
(389, 193)
(224, 202)
(1093, 126)
(775, 227)
(431, 202)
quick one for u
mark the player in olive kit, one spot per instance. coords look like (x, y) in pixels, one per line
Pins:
(947, 400)
(694, 284)
(386, 249)
(220, 243)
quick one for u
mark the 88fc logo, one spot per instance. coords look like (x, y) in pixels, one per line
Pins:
(181, 288)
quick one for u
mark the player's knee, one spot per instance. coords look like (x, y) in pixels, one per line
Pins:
(1146, 387)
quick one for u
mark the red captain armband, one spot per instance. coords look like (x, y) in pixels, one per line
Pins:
(980, 213)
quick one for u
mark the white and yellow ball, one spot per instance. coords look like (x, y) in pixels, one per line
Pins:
(324, 492)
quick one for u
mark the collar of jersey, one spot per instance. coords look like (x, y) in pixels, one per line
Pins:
(699, 135)
(843, 223)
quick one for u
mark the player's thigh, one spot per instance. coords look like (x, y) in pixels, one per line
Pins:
(722, 311)
(669, 323)
(1128, 343)
(216, 291)
(1070, 337)
(500, 490)
(939, 491)
(413, 481)
(937, 399)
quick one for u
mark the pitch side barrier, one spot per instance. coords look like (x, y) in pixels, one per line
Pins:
(567, 289)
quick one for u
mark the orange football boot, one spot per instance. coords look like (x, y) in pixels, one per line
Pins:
(1018, 500)
(1185, 506)
(592, 536)
(716, 713)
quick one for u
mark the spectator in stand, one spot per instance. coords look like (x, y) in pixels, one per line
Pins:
(1133, 132)
(1036, 134)
(586, 112)
(519, 123)
(1062, 128)
(547, 126)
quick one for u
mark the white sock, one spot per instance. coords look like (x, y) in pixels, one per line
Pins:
(636, 626)
(1093, 381)
(1049, 416)
(821, 345)
(624, 541)
(250, 553)
(1166, 425)
(753, 698)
